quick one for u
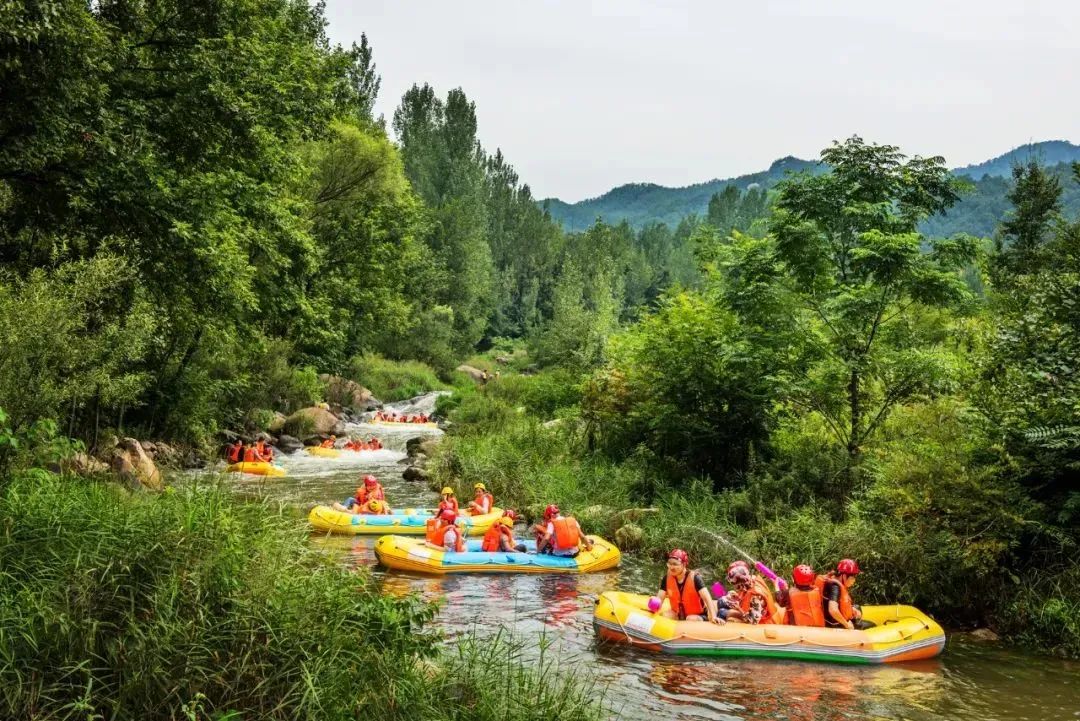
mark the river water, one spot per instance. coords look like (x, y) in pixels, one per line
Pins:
(971, 681)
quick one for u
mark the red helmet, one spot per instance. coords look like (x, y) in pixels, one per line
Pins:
(370, 480)
(738, 572)
(510, 513)
(679, 555)
(847, 567)
(551, 510)
(803, 575)
(448, 515)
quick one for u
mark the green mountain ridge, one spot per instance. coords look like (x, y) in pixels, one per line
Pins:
(978, 212)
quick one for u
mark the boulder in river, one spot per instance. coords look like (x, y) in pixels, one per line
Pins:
(311, 420)
(130, 462)
(277, 424)
(348, 394)
(412, 473)
(288, 444)
(79, 464)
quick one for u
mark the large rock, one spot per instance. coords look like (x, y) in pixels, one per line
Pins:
(79, 464)
(348, 393)
(288, 444)
(277, 424)
(412, 473)
(130, 462)
(311, 421)
(475, 373)
(421, 444)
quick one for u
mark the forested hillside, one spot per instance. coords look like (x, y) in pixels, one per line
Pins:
(976, 213)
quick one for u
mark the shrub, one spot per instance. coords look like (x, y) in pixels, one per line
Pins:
(392, 380)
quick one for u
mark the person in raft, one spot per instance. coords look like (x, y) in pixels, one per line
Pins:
(329, 442)
(443, 534)
(374, 444)
(754, 599)
(234, 452)
(500, 537)
(838, 608)
(263, 452)
(371, 490)
(249, 453)
(561, 535)
(448, 502)
(484, 501)
(804, 602)
(688, 596)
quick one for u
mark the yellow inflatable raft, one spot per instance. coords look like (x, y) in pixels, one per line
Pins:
(903, 633)
(257, 468)
(429, 424)
(407, 521)
(323, 452)
(412, 554)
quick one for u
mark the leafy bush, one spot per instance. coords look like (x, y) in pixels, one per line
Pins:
(391, 380)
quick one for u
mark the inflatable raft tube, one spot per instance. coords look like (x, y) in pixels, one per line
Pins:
(257, 468)
(412, 554)
(323, 452)
(403, 522)
(903, 633)
(429, 424)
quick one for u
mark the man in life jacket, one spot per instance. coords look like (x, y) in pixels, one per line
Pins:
(263, 452)
(448, 502)
(234, 453)
(804, 606)
(561, 535)
(484, 501)
(837, 606)
(756, 602)
(500, 537)
(442, 532)
(688, 597)
(329, 442)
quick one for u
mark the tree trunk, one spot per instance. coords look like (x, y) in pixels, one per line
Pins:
(854, 435)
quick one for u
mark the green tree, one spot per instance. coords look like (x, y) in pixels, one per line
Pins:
(865, 282)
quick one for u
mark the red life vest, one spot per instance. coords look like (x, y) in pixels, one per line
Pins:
(327, 443)
(567, 533)
(804, 607)
(234, 453)
(486, 501)
(773, 612)
(375, 493)
(436, 534)
(447, 505)
(250, 455)
(684, 604)
(491, 542)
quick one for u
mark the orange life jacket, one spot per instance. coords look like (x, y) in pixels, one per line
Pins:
(804, 607)
(234, 453)
(490, 502)
(773, 612)
(847, 609)
(444, 505)
(249, 455)
(436, 534)
(684, 604)
(373, 494)
(262, 452)
(567, 533)
(491, 542)
(327, 443)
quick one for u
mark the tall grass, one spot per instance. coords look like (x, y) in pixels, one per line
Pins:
(192, 604)
(392, 380)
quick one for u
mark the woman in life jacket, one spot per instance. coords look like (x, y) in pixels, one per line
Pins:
(755, 599)
(448, 502)
(484, 501)
(234, 453)
(500, 537)
(688, 596)
(838, 608)
(442, 532)
(263, 452)
(804, 599)
(371, 490)
(562, 535)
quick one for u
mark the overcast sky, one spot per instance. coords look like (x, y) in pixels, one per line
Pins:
(584, 96)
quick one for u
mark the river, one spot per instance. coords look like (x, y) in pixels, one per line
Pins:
(971, 681)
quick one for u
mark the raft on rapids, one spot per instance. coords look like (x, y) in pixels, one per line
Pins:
(406, 521)
(323, 452)
(257, 468)
(411, 554)
(429, 424)
(903, 633)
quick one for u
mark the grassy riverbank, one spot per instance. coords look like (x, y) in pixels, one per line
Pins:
(192, 605)
(932, 527)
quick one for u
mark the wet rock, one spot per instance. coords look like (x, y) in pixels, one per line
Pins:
(412, 473)
(193, 459)
(412, 446)
(475, 373)
(312, 420)
(983, 634)
(629, 537)
(288, 444)
(277, 424)
(166, 455)
(79, 464)
(346, 393)
(340, 429)
(429, 446)
(130, 462)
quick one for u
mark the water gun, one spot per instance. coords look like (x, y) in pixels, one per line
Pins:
(770, 574)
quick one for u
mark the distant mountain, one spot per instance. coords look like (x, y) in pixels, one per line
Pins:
(978, 213)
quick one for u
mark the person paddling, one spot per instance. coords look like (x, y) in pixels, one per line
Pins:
(688, 597)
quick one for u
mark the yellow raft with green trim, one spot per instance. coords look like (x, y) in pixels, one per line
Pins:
(407, 521)
(323, 452)
(902, 633)
(413, 554)
(257, 468)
